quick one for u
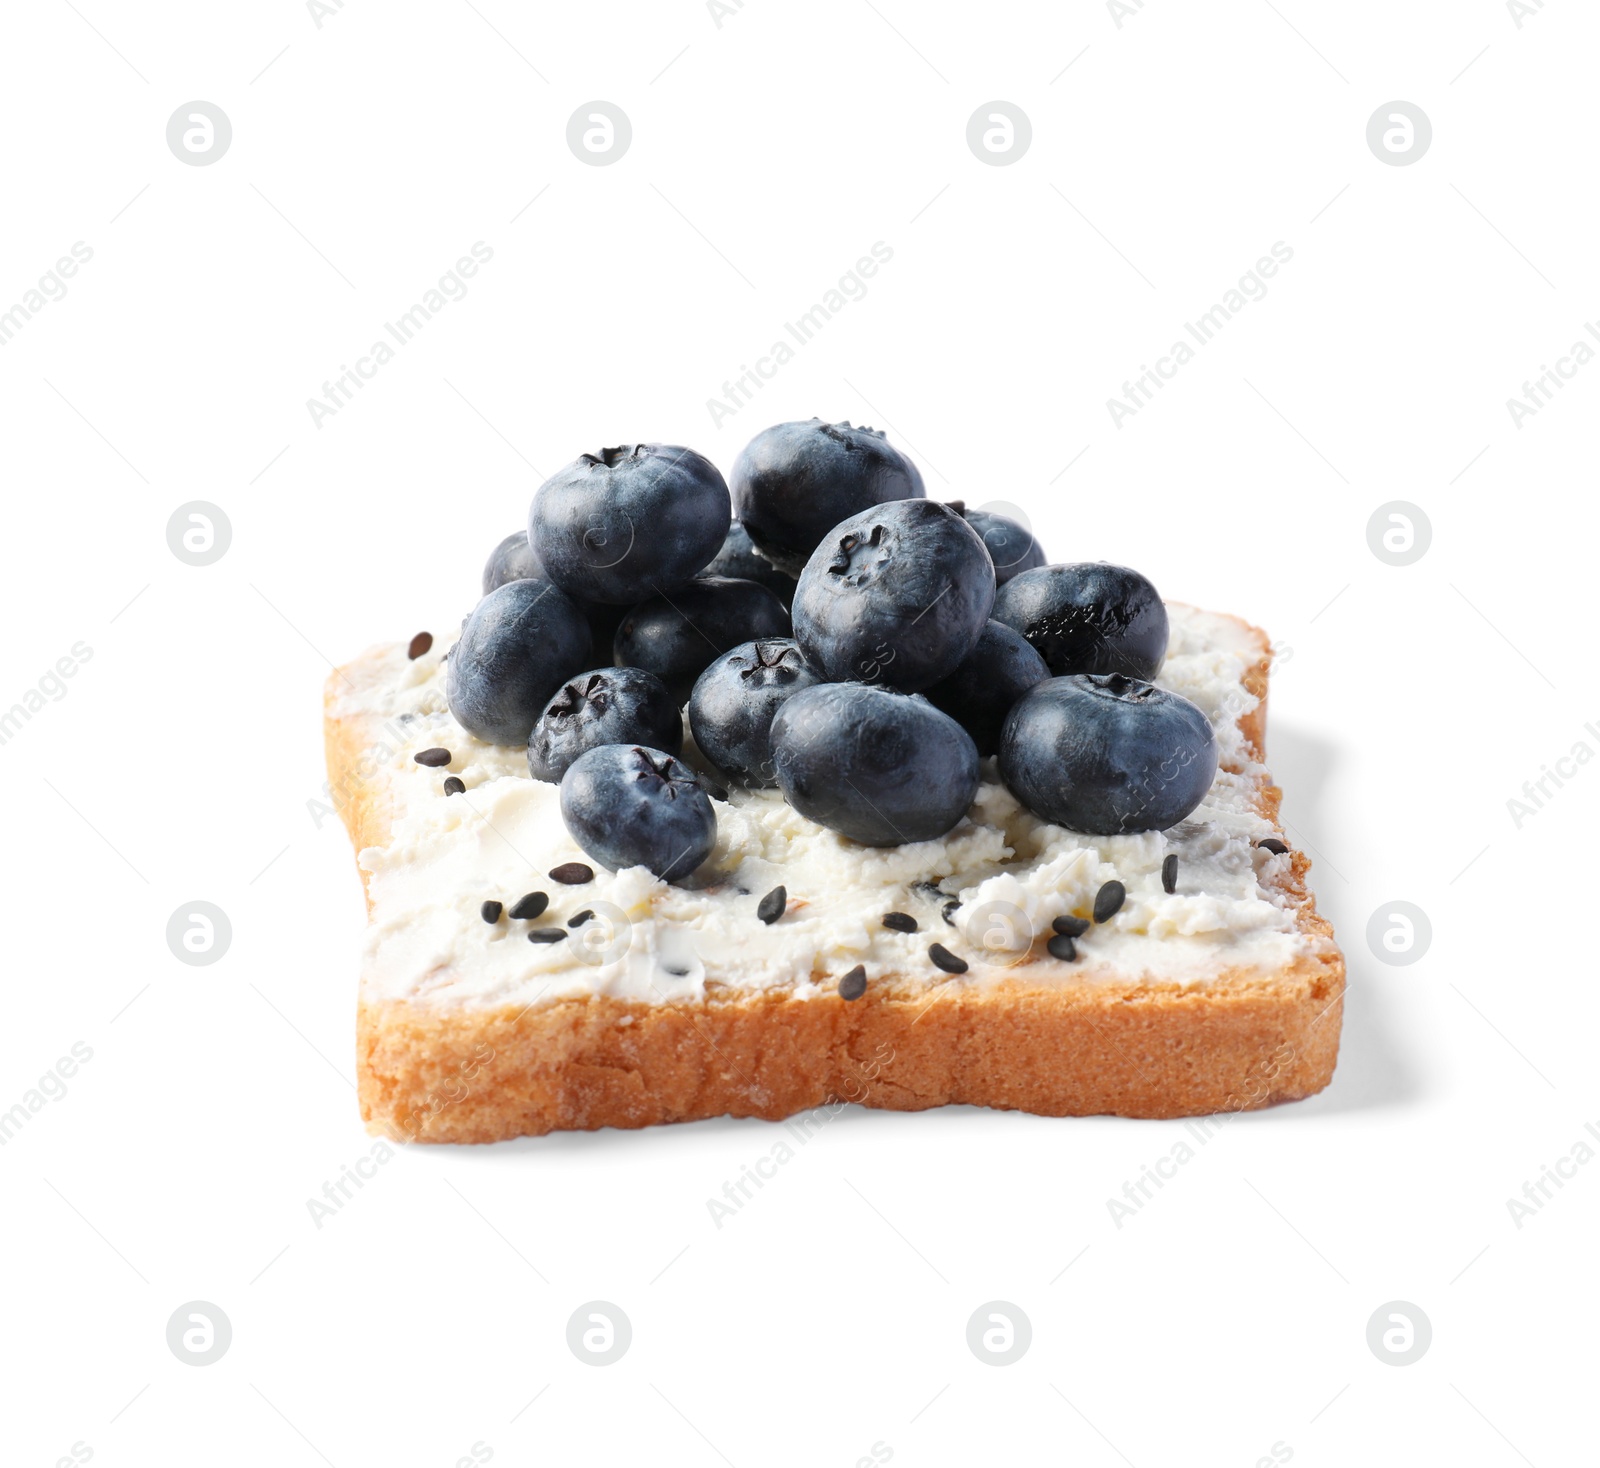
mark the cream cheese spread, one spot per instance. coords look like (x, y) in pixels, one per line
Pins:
(651, 941)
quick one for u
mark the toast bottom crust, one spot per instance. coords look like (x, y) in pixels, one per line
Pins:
(581, 1064)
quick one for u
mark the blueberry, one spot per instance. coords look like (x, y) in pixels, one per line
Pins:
(606, 706)
(897, 595)
(1091, 617)
(795, 481)
(1106, 754)
(1011, 546)
(519, 644)
(627, 806)
(679, 634)
(512, 560)
(991, 678)
(735, 701)
(878, 766)
(631, 521)
(739, 557)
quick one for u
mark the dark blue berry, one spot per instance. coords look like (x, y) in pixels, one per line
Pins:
(990, 679)
(680, 633)
(1090, 617)
(518, 645)
(1011, 546)
(739, 557)
(512, 560)
(735, 701)
(628, 522)
(606, 706)
(795, 481)
(896, 595)
(878, 766)
(1106, 754)
(629, 806)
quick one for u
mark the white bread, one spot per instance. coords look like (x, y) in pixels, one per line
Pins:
(438, 1060)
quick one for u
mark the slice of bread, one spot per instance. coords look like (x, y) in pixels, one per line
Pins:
(1223, 995)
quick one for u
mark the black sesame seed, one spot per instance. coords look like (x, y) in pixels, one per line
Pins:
(433, 758)
(1275, 846)
(677, 973)
(1107, 900)
(419, 645)
(454, 785)
(1062, 947)
(901, 922)
(546, 935)
(1071, 927)
(578, 919)
(948, 911)
(943, 958)
(572, 873)
(772, 906)
(491, 911)
(531, 905)
(854, 984)
(1169, 874)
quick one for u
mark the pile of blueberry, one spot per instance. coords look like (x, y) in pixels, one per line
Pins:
(834, 634)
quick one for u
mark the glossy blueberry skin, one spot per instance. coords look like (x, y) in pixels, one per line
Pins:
(794, 482)
(630, 806)
(1011, 546)
(989, 681)
(1107, 755)
(512, 560)
(629, 522)
(605, 706)
(740, 558)
(880, 767)
(735, 701)
(519, 644)
(897, 595)
(677, 636)
(1089, 617)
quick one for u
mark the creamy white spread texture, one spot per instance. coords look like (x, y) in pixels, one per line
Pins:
(653, 941)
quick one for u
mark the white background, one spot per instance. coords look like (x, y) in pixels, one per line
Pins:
(768, 154)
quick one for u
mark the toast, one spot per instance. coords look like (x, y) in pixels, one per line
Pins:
(665, 1002)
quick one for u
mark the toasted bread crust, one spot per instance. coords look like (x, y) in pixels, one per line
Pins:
(1130, 1049)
